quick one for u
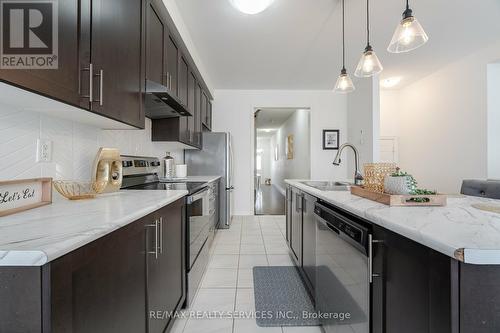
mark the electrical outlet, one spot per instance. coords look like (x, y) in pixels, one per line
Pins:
(43, 150)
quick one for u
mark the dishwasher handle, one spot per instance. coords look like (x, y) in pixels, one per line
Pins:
(372, 241)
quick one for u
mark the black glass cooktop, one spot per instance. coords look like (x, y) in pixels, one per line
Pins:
(191, 187)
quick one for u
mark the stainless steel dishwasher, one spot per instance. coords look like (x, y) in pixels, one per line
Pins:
(343, 270)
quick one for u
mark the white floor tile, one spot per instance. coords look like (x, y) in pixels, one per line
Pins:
(222, 300)
(252, 249)
(220, 278)
(245, 278)
(224, 261)
(279, 260)
(301, 329)
(251, 260)
(221, 248)
(245, 300)
(276, 248)
(209, 326)
(250, 326)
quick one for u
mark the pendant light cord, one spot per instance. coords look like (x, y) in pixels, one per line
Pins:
(343, 36)
(367, 23)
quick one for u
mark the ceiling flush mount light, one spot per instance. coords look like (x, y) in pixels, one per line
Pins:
(344, 83)
(409, 34)
(251, 6)
(368, 65)
(390, 82)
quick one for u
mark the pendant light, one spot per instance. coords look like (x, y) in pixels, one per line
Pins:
(251, 7)
(344, 83)
(368, 65)
(409, 34)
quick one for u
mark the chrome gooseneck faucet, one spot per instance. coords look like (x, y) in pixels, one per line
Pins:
(358, 178)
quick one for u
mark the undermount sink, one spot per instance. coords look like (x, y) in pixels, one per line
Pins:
(328, 186)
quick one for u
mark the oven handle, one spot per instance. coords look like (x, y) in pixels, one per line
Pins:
(197, 196)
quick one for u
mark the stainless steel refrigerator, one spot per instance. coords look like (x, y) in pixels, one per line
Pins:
(215, 159)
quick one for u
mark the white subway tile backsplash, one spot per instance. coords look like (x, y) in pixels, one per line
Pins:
(74, 145)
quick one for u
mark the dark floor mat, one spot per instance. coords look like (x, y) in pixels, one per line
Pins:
(281, 298)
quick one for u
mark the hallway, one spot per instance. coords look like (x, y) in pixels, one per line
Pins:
(269, 201)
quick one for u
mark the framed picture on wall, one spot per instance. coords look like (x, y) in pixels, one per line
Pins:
(331, 139)
(289, 147)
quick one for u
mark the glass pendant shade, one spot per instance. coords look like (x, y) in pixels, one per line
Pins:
(408, 36)
(368, 65)
(344, 83)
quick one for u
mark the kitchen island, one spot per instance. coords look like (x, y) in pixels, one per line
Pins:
(431, 269)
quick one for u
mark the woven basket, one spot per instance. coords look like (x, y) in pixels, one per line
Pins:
(375, 174)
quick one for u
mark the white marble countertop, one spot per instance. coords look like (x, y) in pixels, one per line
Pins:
(37, 236)
(208, 179)
(457, 230)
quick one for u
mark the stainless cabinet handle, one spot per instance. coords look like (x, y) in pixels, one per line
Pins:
(371, 241)
(90, 69)
(155, 225)
(101, 88)
(299, 197)
(161, 234)
(168, 81)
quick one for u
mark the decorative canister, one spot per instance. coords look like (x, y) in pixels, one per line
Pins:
(400, 185)
(168, 166)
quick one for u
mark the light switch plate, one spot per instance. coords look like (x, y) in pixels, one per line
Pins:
(43, 151)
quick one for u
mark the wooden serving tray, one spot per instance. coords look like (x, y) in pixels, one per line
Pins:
(399, 200)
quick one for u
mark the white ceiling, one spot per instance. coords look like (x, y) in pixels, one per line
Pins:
(295, 44)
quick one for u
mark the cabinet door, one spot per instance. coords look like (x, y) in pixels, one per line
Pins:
(62, 83)
(288, 208)
(183, 80)
(166, 274)
(117, 58)
(204, 103)
(296, 226)
(412, 291)
(209, 114)
(191, 107)
(155, 47)
(172, 65)
(100, 287)
(309, 240)
(198, 117)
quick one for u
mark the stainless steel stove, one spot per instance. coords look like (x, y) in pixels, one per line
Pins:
(142, 173)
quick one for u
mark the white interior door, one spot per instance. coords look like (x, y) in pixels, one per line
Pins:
(389, 152)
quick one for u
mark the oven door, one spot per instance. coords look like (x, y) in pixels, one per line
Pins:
(342, 284)
(198, 222)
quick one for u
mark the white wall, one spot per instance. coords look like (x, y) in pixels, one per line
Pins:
(233, 111)
(74, 145)
(390, 112)
(363, 119)
(443, 123)
(494, 121)
(299, 167)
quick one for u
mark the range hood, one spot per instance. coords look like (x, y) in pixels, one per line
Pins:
(160, 103)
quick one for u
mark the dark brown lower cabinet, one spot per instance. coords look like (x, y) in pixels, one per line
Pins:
(165, 267)
(101, 286)
(411, 290)
(128, 281)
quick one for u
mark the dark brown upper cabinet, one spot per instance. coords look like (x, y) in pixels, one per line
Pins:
(172, 52)
(192, 106)
(105, 76)
(116, 58)
(183, 80)
(63, 83)
(155, 46)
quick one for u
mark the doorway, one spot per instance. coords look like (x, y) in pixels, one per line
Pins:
(282, 151)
